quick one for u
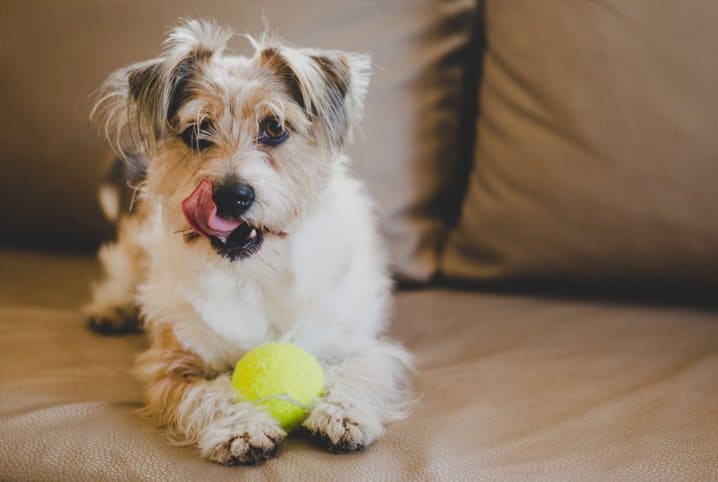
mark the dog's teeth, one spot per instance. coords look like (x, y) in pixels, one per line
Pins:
(253, 234)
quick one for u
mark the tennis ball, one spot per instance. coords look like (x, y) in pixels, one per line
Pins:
(280, 378)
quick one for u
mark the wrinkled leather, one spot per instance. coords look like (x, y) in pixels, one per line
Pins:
(510, 387)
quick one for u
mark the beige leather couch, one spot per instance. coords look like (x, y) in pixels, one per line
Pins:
(557, 247)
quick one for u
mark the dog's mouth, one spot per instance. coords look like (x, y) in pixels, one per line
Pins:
(231, 238)
(241, 243)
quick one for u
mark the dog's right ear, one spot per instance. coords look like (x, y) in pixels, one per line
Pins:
(329, 85)
(139, 103)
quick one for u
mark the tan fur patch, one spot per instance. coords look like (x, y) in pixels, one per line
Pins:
(170, 372)
(273, 60)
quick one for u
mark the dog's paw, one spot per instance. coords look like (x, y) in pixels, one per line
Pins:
(114, 320)
(230, 442)
(342, 429)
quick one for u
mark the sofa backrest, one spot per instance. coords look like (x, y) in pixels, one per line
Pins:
(597, 145)
(54, 55)
(596, 156)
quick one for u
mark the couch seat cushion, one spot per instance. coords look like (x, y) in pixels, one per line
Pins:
(510, 387)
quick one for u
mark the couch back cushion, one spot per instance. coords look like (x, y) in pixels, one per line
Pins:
(597, 144)
(56, 53)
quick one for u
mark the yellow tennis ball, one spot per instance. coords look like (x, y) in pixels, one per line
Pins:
(280, 378)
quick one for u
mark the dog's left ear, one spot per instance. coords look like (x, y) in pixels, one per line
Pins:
(138, 104)
(329, 85)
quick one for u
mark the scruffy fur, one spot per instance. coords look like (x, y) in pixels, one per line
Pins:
(319, 279)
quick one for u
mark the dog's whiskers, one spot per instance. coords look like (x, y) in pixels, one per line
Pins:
(268, 265)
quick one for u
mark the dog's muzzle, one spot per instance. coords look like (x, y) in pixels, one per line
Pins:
(216, 214)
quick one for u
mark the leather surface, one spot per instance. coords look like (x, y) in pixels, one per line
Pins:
(597, 155)
(511, 387)
(55, 53)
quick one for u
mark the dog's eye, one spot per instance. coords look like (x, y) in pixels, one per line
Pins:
(196, 138)
(272, 132)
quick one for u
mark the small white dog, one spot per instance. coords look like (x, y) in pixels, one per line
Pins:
(246, 229)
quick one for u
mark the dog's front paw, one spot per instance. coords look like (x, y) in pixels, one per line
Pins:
(341, 427)
(114, 320)
(233, 441)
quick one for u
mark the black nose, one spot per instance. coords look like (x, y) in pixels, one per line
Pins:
(233, 199)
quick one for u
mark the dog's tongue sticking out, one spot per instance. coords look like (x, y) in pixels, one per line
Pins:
(201, 213)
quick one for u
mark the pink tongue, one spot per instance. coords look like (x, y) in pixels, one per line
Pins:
(201, 213)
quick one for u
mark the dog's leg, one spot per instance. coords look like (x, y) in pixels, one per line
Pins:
(363, 392)
(113, 309)
(196, 404)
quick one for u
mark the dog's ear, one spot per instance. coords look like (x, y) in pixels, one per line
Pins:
(329, 85)
(139, 103)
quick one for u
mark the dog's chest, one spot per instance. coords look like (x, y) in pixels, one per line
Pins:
(238, 313)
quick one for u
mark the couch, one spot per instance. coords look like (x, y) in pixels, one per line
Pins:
(545, 177)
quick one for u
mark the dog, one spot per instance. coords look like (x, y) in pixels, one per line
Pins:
(246, 227)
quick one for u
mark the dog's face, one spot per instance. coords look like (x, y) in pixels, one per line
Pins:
(237, 148)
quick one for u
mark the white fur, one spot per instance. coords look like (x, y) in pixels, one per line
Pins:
(114, 296)
(109, 201)
(324, 285)
(321, 287)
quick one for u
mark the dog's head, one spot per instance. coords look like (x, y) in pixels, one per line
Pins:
(237, 148)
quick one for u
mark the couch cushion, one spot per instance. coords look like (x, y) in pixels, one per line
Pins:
(597, 156)
(56, 53)
(511, 387)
